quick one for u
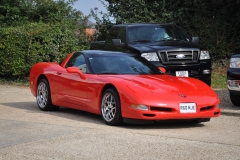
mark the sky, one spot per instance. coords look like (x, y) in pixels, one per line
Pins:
(85, 6)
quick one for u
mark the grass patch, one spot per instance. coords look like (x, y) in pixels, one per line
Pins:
(219, 74)
(21, 81)
(218, 80)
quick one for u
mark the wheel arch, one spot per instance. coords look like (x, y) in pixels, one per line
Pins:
(48, 106)
(107, 86)
(117, 120)
(40, 77)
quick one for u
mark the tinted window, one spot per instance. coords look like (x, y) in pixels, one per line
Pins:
(78, 60)
(117, 33)
(113, 34)
(122, 34)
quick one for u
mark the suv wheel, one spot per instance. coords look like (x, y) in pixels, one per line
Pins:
(235, 99)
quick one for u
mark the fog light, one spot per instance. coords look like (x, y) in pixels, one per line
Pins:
(139, 107)
(206, 71)
(233, 83)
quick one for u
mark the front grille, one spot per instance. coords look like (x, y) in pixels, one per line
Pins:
(179, 56)
(161, 109)
(206, 108)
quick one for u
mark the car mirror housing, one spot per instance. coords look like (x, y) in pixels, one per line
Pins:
(76, 70)
(117, 43)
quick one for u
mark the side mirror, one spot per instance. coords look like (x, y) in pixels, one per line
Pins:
(195, 40)
(162, 69)
(117, 43)
(76, 70)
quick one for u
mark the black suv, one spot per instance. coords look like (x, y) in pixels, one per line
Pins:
(233, 78)
(165, 45)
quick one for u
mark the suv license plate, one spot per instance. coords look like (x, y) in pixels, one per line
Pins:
(182, 73)
(187, 107)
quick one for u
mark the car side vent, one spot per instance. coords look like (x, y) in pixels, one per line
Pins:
(206, 108)
(161, 109)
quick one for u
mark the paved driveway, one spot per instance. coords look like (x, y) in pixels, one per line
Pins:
(28, 133)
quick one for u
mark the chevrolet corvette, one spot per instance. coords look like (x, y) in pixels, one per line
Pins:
(121, 87)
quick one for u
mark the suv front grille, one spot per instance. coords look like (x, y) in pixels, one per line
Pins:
(179, 56)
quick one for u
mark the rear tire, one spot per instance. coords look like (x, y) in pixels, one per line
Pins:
(111, 108)
(43, 97)
(235, 99)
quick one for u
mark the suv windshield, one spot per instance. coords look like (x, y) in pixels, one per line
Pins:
(121, 64)
(155, 33)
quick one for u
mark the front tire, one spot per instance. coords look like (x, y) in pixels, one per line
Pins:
(111, 108)
(235, 99)
(43, 97)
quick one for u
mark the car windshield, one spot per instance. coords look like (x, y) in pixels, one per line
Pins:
(155, 33)
(118, 64)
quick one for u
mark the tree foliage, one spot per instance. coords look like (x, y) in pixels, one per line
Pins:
(138, 11)
(16, 12)
(37, 30)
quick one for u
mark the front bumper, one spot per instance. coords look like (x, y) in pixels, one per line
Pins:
(233, 79)
(139, 121)
(161, 115)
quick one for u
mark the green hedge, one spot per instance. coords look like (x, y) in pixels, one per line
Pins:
(21, 47)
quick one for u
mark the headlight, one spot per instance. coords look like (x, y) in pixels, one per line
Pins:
(150, 56)
(234, 63)
(204, 55)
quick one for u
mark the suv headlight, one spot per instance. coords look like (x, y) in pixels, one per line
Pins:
(204, 55)
(150, 56)
(234, 63)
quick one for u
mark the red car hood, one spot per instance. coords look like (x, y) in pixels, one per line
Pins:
(164, 84)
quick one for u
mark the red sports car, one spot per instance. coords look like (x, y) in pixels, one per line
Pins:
(121, 87)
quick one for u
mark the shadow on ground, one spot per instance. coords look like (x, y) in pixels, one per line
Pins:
(82, 116)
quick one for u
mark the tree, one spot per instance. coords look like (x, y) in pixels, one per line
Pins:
(128, 11)
(37, 30)
(16, 12)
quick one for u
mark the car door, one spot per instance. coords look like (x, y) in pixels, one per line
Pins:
(73, 89)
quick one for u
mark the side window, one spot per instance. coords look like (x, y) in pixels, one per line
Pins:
(113, 34)
(122, 34)
(78, 60)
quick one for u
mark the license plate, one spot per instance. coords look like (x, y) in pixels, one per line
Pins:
(182, 73)
(187, 107)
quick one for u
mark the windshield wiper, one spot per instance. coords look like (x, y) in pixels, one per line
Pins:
(160, 40)
(141, 40)
(168, 39)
